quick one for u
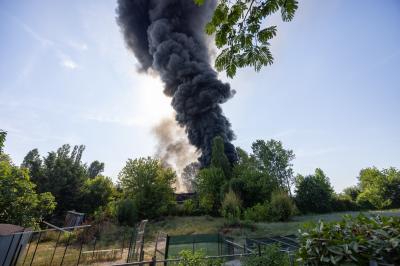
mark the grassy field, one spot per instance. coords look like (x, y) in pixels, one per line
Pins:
(209, 225)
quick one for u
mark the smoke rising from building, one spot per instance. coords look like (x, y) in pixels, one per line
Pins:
(173, 148)
(168, 37)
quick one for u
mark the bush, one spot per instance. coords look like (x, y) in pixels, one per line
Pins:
(271, 256)
(127, 213)
(281, 207)
(196, 259)
(189, 207)
(343, 202)
(257, 213)
(231, 208)
(353, 240)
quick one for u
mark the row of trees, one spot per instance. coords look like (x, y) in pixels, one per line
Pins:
(258, 187)
(74, 185)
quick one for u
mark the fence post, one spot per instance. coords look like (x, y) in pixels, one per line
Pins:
(94, 247)
(55, 247)
(166, 250)
(80, 253)
(66, 247)
(193, 239)
(123, 244)
(37, 243)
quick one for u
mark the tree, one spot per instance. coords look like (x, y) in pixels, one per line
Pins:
(381, 189)
(95, 169)
(352, 192)
(189, 175)
(219, 158)
(96, 192)
(19, 202)
(149, 184)
(241, 33)
(314, 192)
(33, 163)
(251, 184)
(272, 159)
(64, 175)
(210, 183)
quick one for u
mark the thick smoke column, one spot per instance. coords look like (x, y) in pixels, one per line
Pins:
(167, 36)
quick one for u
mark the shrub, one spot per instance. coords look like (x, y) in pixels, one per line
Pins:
(127, 213)
(281, 207)
(231, 208)
(271, 256)
(188, 258)
(257, 213)
(344, 202)
(189, 207)
(353, 240)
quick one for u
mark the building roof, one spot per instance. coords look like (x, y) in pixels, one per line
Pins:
(8, 229)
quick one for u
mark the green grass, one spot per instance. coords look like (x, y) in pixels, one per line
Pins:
(209, 225)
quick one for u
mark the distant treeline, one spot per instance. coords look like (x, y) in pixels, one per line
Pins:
(261, 186)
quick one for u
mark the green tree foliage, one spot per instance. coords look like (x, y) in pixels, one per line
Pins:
(210, 182)
(149, 184)
(240, 31)
(219, 158)
(34, 164)
(381, 189)
(62, 173)
(314, 193)
(19, 202)
(96, 192)
(352, 192)
(64, 176)
(271, 158)
(127, 213)
(231, 208)
(251, 183)
(351, 241)
(95, 169)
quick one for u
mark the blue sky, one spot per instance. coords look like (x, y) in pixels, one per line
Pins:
(332, 94)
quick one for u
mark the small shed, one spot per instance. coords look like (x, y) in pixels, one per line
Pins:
(13, 239)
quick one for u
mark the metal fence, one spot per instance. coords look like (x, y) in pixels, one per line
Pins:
(73, 245)
(225, 249)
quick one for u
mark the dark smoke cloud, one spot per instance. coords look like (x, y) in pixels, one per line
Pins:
(167, 36)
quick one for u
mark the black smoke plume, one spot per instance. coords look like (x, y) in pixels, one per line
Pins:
(168, 36)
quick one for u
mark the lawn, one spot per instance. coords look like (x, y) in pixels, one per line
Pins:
(209, 225)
